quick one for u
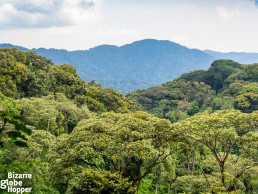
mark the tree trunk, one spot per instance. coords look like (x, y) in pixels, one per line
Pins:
(156, 185)
(193, 165)
(222, 169)
(205, 176)
(136, 185)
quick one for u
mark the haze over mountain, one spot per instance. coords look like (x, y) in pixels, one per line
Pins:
(138, 65)
(240, 57)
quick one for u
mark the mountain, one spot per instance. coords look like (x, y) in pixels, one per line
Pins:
(240, 57)
(141, 64)
(7, 45)
(28, 74)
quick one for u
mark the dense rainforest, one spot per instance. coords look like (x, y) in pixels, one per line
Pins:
(195, 134)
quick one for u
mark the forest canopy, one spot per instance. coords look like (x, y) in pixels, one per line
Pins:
(195, 134)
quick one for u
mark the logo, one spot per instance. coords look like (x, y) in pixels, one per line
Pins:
(14, 183)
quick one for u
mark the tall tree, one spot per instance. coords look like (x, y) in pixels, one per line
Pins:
(129, 144)
(221, 132)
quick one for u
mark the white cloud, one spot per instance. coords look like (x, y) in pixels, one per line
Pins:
(189, 22)
(226, 13)
(46, 13)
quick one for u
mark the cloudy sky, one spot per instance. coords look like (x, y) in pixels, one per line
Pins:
(221, 25)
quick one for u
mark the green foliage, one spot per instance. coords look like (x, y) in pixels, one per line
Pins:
(12, 126)
(250, 73)
(216, 75)
(98, 182)
(222, 132)
(30, 160)
(175, 100)
(128, 144)
(198, 76)
(132, 66)
(220, 70)
(221, 102)
(195, 184)
(53, 113)
(225, 85)
(10, 104)
(27, 74)
(247, 102)
(13, 71)
(209, 148)
(249, 87)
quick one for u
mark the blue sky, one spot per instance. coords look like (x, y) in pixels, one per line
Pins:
(221, 25)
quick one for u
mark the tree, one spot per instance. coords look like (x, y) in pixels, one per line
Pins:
(129, 144)
(220, 70)
(40, 113)
(53, 113)
(250, 72)
(12, 72)
(221, 133)
(30, 160)
(247, 102)
(11, 124)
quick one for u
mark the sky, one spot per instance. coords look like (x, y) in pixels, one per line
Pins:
(219, 25)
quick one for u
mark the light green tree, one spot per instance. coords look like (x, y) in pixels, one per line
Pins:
(224, 133)
(129, 144)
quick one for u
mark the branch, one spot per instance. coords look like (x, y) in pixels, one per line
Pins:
(152, 165)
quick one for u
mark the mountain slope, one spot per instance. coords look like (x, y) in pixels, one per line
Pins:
(27, 74)
(7, 45)
(141, 64)
(225, 85)
(240, 57)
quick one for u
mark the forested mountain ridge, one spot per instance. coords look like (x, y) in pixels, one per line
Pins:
(27, 74)
(225, 85)
(138, 65)
(76, 137)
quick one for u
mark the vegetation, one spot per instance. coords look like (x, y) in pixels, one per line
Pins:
(225, 85)
(195, 134)
(27, 74)
(132, 66)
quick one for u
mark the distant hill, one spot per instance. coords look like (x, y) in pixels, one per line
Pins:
(240, 57)
(138, 65)
(28, 74)
(7, 45)
(141, 64)
(225, 85)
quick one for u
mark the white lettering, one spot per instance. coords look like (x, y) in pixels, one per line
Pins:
(14, 185)
(10, 175)
(19, 176)
(3, 184)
